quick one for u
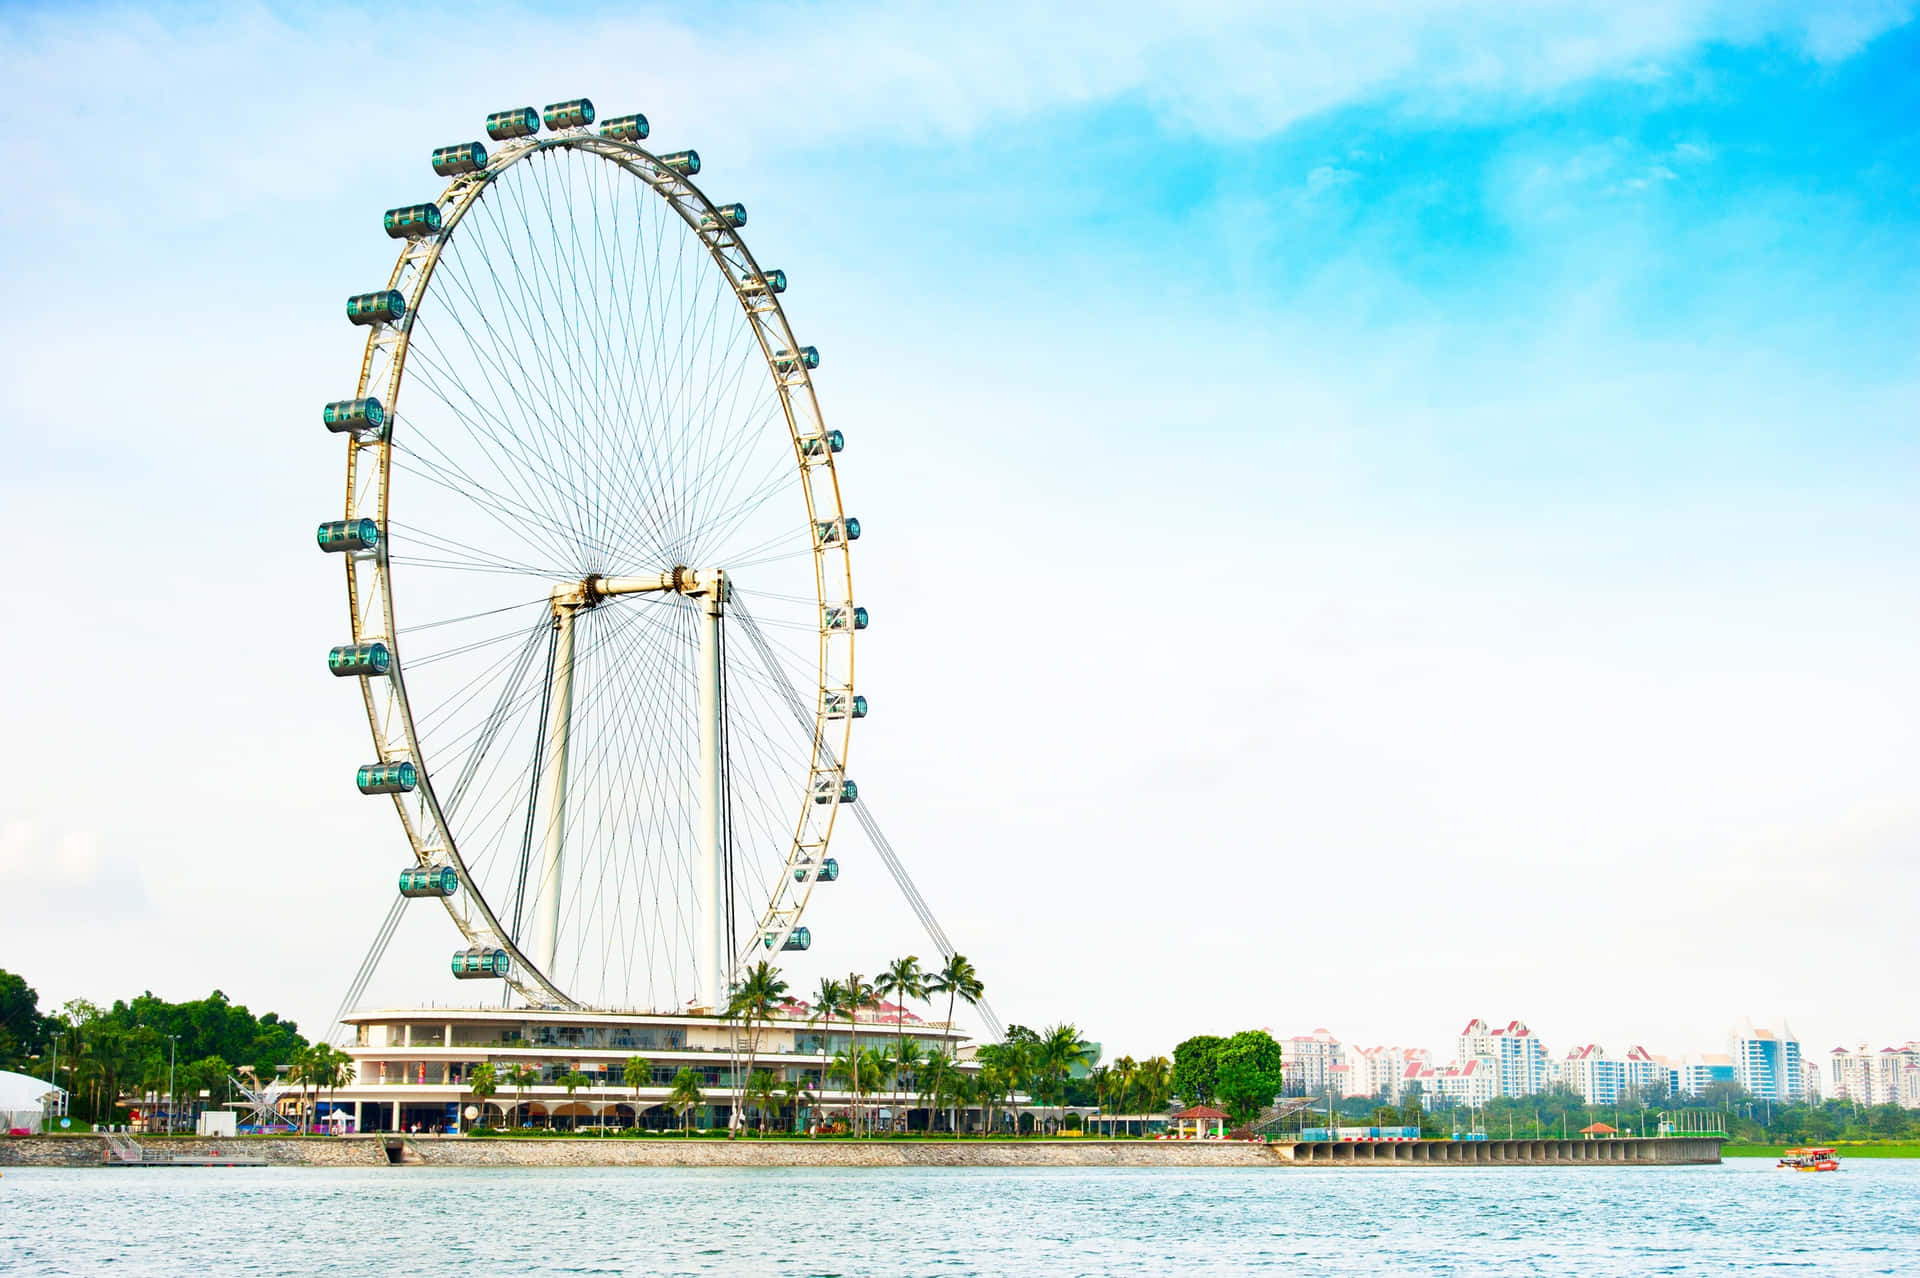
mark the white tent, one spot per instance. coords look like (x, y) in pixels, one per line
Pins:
(24, 1101)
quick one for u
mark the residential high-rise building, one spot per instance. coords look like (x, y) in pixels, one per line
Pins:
(1694, 1073)
(1307, 1062)
(1767, 1062)
(1512, 1056)
(1607, 1080)
(1890, 1076)
(1520, 1060)
(1382, 1071)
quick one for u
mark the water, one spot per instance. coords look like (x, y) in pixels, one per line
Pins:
(421, 1221)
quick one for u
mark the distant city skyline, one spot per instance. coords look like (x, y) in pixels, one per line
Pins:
(1360, 502)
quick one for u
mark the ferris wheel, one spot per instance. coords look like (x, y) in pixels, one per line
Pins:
(598, 571)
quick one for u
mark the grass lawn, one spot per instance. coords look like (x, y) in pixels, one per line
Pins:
(1888, 1149)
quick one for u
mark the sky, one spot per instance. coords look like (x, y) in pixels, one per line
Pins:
(1376, 513)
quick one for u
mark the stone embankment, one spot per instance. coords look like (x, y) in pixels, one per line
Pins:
(455, 1151)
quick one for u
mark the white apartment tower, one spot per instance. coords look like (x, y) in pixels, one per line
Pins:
(1308, 1063)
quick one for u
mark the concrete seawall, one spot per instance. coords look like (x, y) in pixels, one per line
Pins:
(1668, 1151)
(455, 1151)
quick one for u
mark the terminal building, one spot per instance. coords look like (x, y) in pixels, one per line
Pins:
(413, 1068)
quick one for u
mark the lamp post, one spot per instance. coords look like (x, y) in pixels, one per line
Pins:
(173, 1123)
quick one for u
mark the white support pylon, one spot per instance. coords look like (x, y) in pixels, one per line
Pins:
(714, 957)
(553, 848)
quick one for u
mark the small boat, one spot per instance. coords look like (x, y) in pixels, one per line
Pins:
(1813, 1160)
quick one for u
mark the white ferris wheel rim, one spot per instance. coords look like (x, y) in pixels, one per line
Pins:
(371, 589)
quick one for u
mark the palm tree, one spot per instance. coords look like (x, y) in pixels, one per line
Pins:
(332, 1068)
(907, 1059)
(686, 1093)
(934, 1082)
(1122, 1077)
(1060, 1049)
(761, 1089)
(572, 1080)
(1101, 1078)
(859, 993)
(638, 1072)
(483, 1081)
(793, 1092)
(956, 979)
(902, 980)
(522, 1077)
(1153, 1080)
(302, 1070)
(755, 1001)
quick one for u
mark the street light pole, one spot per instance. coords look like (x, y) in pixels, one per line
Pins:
(173, 1119)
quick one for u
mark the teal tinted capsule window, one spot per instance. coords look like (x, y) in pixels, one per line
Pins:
(859, 618)
(348, 535)
(462, 157)
(569, 115)
(517, 123)
(625, 128)
(359, 659)
(774, 281)
(787, 361)
(354, 414)
(798, 939)
(384, 307)
(725, 215)
(683, 162)
(823, 445)
(412, 221)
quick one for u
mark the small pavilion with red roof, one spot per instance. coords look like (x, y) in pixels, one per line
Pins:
(1194, 1122)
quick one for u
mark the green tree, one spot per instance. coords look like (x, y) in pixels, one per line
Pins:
(1060, 1051)
(859, 994)
(957, 980)
(22, 1028)
(1153, 1084)
(685, 1095)
(829, 1002)
(638, 1071)
(573, 1080)
(1196, 1063)
(1247, 1073)
(755, 1001)
(522, 1077)
(483, 1081)
(902, 980)
(908, 1056)
(760, 1091)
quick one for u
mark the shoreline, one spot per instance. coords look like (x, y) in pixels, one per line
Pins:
(407, 1151)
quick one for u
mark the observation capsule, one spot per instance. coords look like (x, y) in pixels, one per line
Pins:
(774, 281)
(348, 534)
(724, 215)
(824, 791)
(625, 128)
(787, 361)
(412, 222)
(353, 414)
(480, 963)
(384, 307)
(843, 617)
(834, 532)
(359, 659)
(685, 163)
(798, 939)
(461, 157)
(569, 115)
(387, 778)
(839, 706)
(503, 126)
(822, 445)
(441, 880)
(828, 872)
